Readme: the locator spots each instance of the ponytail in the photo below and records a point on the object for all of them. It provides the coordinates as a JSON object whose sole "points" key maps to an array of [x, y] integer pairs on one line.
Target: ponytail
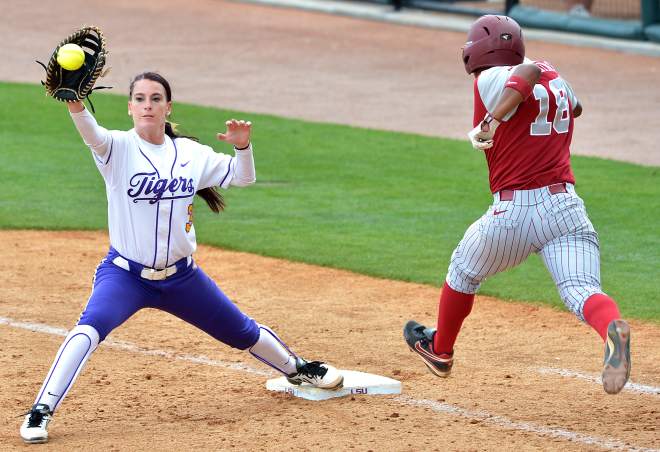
{"points": [[213, 199], [170, 131]]}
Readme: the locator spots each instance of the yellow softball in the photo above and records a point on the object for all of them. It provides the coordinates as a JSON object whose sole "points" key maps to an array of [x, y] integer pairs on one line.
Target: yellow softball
{"points": [[70, 56]]}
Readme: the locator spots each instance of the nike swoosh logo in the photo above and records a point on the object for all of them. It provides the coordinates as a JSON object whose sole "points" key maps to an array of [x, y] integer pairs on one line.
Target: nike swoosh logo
{"points": [[51, 394], [184, 164], [497, 212]]}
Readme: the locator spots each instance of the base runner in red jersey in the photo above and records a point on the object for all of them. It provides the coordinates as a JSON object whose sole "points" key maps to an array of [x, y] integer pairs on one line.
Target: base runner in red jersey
{"points": [[524, 114]]}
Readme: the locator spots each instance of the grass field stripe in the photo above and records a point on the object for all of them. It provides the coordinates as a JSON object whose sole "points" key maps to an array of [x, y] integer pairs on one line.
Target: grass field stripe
{"points": [[438, 407], [122, 345], [630, 386], [501, 421]]}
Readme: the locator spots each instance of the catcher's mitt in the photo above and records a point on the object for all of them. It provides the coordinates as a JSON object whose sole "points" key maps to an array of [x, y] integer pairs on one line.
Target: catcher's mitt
{"points": [[71, 86]]}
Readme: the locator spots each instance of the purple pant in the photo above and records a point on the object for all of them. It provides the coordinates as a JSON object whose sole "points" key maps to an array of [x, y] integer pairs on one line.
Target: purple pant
{"points": [[189, 294]]}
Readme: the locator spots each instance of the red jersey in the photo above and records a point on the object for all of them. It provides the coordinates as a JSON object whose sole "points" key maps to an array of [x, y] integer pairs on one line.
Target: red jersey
{"points": [[531, 145]]}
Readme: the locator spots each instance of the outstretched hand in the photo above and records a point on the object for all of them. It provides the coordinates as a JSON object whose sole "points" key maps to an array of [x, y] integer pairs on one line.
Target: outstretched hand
{"points": [[238, 133]]}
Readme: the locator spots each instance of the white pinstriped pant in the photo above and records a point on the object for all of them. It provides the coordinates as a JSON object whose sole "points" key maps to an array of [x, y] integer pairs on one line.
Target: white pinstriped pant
{"points": [[554, 225]]}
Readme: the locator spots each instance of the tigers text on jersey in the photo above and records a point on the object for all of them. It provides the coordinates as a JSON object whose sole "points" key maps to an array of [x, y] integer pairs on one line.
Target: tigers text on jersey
{"points": [[150, 190], [531, 145]]}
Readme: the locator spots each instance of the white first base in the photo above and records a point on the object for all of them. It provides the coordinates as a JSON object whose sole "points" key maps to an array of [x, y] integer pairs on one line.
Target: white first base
{"points": [[354, 383]]}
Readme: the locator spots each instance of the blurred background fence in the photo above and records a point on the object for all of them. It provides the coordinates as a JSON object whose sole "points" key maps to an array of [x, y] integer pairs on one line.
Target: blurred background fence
{"points": [[627, 19]]}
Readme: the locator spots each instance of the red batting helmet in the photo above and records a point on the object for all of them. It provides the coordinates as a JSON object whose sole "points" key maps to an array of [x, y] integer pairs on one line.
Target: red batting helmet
{"points": [[493, 41]]}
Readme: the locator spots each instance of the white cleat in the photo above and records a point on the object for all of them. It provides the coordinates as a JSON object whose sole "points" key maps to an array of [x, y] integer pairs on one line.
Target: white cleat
{"points": [[316, 373], [34, 429]]}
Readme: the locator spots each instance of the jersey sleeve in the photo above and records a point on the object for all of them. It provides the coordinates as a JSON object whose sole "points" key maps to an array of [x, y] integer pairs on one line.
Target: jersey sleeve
{"points": [[97, 138], [217, 168], [244, 173], [491, 84], [112, 163], [106, 145]]}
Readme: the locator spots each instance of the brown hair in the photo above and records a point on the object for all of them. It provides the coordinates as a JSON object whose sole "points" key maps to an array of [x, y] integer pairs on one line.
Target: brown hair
{"points": [[214, 200]]}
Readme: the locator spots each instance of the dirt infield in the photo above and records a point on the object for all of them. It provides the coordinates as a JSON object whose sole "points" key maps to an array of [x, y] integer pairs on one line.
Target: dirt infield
{"points": [[126, 399], [524, 376]]}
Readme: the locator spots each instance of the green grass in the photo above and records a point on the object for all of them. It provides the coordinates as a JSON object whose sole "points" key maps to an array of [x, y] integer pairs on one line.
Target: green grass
{"points": [[386, 204]]}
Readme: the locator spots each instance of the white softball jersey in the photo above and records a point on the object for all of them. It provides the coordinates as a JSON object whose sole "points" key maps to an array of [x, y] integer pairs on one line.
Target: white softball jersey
{"points": [[151, 188]]}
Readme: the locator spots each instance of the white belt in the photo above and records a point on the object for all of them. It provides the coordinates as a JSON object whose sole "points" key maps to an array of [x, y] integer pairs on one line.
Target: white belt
{"points": [[150, 273], [157, 275]]}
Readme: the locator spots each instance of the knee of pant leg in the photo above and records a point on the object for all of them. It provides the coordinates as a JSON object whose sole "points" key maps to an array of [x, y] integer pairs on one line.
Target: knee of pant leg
{"points": [[575, 296], [246, 337], [462, 280], [100, 328], [88, 332]]}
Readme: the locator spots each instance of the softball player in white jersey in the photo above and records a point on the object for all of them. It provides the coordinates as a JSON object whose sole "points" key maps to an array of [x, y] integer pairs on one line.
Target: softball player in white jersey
{"points": [[523, 114], [151, 177]]}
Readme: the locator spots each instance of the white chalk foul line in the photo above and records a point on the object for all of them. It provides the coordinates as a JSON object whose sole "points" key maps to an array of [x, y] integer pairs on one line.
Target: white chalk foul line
{"points": [[439, 407], [198, 359], [630, 386], [503, 422]]}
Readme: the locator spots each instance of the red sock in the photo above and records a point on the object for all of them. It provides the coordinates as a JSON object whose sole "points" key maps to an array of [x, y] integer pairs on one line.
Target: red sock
{"points": [[599, 310], [453, 309]]}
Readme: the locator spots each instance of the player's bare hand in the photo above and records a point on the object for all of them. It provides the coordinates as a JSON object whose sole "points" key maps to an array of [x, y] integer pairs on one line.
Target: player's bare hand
{"points": [[238, 133], [482, 135]]}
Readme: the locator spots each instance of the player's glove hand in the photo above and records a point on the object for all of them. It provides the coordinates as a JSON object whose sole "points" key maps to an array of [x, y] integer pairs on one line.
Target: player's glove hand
{"points": [[77, 85], [482, 135]]}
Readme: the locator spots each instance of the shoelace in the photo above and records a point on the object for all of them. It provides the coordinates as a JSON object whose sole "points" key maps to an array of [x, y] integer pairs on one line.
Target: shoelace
{"points": [[424, 338], [426, 341], [36, 418], [313, 369]]}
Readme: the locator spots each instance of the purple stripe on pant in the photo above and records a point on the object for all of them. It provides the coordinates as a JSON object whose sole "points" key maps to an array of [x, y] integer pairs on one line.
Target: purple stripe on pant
{"points": [[189, 295]]}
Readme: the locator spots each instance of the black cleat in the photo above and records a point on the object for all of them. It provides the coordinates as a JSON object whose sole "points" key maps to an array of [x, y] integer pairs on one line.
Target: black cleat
{"points": [[420, 340]]}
